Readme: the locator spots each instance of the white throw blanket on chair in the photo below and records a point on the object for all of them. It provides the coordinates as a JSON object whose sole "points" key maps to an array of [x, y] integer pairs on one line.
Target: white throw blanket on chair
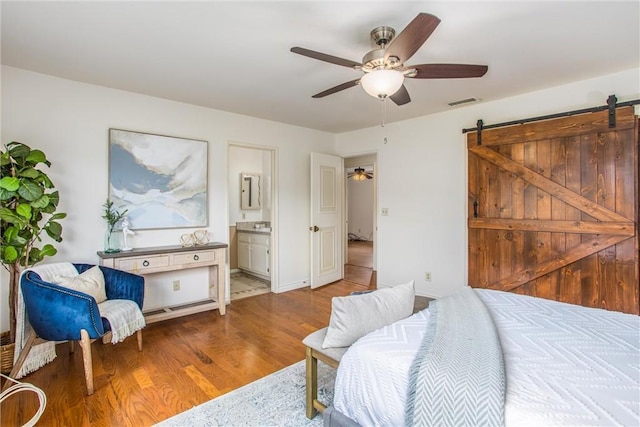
{"points": [[122, 316]]}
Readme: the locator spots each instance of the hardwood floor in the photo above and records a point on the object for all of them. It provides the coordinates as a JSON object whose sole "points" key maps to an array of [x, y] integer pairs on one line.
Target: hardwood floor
{"points": [[184, 362], [359, 268]]}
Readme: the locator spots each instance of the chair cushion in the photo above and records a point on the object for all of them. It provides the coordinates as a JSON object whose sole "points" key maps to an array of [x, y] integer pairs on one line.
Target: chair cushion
{"points": [[356, 315], [315, 340], [91, 282]]}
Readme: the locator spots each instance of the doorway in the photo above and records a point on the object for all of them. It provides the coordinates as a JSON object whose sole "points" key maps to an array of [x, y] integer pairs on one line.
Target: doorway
{"points": [[360, 209], [252, 220]]}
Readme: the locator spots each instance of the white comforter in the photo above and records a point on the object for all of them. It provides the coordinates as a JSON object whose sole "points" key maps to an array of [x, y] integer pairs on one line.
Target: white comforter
{"points": [[565, 365]]}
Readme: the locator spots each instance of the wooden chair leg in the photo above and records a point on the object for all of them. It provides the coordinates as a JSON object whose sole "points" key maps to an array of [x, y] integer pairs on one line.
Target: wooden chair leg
{"points": [[139, 338], [23, 356], [311, 382], [85, 343]]}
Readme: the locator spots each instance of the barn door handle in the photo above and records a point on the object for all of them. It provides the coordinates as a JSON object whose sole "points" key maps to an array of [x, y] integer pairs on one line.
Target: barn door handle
{"points": [[314, 228], [475, 209]]}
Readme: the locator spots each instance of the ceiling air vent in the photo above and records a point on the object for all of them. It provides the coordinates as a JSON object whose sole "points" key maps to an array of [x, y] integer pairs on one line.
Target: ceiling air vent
{"points": [[462, 101]]}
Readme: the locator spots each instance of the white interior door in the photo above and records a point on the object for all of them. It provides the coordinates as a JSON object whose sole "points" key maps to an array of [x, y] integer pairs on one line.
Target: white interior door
{"points": [[327, 176]]}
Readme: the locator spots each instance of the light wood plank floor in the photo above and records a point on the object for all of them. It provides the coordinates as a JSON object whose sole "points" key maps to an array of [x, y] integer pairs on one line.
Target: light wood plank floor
{"points": [[359, 268], [185, 362]]}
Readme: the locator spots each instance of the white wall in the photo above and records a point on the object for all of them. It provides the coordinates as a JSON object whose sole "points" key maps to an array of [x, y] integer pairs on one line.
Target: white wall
{"points": [[242, 160], [360, 198], [69, 121], [422, 170]]}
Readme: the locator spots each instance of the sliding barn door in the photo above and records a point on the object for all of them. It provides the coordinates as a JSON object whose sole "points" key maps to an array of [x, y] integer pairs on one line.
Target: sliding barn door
{"points": [[553, 210]]}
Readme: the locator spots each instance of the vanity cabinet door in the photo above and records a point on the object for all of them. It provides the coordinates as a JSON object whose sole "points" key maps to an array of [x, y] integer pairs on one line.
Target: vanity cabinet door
{"points": [[260, 259], [244, 255]]}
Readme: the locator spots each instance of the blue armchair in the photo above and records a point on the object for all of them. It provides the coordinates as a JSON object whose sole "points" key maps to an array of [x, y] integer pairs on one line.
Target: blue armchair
{"points": [[57, 313]]}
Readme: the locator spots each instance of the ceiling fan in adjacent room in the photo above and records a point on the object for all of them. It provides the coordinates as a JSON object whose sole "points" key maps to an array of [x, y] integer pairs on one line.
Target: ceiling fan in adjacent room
{"points": [[359, 174], [384, 67]]}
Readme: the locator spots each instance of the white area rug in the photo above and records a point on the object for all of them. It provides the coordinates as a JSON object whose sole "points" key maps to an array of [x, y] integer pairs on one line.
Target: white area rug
{"points": [[243, 286], [275, 400]]}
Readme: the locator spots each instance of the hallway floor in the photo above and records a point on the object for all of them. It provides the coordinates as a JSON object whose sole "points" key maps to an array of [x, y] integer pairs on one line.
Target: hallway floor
{"points": [[359, 268]]}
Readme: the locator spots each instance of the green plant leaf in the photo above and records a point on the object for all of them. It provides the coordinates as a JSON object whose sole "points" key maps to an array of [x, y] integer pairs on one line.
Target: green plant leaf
{"points": [[48, 250], [35, 256], [10, 216], [6, 195], [30, 173], [41, 203], [9, 254], [18, 242], [54, 198], [10, 183], [18, 150], [54, 230], [59, 215], [24, 210], [37, 156], [10, 233], [30, 191]]}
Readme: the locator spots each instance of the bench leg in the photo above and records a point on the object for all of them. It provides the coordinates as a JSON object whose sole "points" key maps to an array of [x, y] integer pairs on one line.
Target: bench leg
{"points": [[311, 383]]}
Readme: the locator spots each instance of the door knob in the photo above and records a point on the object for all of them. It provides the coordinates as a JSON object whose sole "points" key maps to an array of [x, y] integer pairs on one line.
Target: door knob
{"points": [[314, 228]]}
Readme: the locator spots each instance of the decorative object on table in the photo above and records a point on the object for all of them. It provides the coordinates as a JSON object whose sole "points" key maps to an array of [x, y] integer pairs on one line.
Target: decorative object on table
{"points": [[112, 216], [197, 238], [28, 205], [126, 232], [167, 176]]}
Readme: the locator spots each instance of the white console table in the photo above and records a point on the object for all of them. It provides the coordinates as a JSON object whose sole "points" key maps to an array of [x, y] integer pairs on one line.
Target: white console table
{"points": [[144, 261]]}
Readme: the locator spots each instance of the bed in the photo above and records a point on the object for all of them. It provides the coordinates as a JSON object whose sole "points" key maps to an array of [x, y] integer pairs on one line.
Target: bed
{"points": [[563, 365]]}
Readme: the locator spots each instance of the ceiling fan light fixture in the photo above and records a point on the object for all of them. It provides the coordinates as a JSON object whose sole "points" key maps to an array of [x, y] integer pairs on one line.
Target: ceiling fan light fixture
{"points": [[382, 83], [359, 174]]}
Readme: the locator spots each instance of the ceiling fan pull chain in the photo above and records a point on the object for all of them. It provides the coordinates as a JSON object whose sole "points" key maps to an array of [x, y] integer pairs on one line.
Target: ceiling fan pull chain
{"points": [[384, 113]]}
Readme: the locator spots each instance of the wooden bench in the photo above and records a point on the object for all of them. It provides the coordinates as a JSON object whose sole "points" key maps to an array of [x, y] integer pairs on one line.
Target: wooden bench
{"points": [[315, 352]]}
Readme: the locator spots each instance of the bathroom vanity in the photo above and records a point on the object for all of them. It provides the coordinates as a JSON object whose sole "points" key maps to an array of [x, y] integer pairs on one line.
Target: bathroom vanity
{"points": [[254, 248]]}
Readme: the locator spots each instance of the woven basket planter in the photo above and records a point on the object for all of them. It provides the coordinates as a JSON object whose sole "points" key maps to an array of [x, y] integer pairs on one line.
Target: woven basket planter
{"points": [[6, 353]]}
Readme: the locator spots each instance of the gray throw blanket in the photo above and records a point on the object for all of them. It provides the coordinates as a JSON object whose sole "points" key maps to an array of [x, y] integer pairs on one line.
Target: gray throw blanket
{"points": [[457, 377]]}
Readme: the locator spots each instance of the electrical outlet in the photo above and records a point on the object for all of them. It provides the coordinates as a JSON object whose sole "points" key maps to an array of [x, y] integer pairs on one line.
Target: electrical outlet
{"points": [[427, 276], [385, 211], [176, 285]]}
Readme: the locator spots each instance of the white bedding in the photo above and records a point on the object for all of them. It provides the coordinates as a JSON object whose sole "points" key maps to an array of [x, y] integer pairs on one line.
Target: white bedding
{"points": [[565, 365]]}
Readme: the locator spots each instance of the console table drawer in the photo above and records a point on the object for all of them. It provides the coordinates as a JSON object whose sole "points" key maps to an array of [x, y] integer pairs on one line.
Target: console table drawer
{"points": [[140, 264], [194, 258]]}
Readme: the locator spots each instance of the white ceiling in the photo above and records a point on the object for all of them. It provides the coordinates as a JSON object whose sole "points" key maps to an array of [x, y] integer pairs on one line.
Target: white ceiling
{"points": [[234, 56]]}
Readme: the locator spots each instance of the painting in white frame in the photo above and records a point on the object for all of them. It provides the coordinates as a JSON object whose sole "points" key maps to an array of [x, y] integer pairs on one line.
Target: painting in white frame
{"points": [[160, 180]]}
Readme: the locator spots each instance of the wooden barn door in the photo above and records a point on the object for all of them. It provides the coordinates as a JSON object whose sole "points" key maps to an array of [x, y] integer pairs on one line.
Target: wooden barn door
{"points": [[553, 210]]}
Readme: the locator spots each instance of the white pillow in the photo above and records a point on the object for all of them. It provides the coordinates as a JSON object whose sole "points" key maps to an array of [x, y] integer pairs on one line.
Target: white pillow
{"points": [[91, 282], [356, 315]]}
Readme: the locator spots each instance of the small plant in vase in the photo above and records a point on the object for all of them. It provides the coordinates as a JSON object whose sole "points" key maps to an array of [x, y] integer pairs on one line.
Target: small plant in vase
{"points": [[112, 217]]}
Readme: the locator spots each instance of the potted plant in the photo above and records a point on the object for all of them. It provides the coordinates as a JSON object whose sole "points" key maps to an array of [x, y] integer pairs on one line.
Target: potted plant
{"points": [[28, 204], [113, 217]]}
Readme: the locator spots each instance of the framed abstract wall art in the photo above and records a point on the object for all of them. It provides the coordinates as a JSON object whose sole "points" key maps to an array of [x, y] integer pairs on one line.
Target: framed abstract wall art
{"points": [[160, 180]]}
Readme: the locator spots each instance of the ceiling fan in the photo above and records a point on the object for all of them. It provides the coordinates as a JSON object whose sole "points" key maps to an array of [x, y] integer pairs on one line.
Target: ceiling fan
{"points": [[359, 174], [384, 67]]}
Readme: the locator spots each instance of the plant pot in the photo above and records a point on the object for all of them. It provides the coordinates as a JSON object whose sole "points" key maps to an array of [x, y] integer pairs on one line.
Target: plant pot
{"points": [[6, 353]]}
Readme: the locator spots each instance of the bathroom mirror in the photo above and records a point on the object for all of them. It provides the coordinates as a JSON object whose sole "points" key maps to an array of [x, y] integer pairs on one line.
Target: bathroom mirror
{"points": [[250, 190]]}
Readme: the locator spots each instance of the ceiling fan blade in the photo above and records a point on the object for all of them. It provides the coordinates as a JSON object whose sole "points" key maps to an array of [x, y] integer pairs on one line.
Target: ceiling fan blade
{"points": [[448, 71], [405, 44], [401, 97], [338, 88], [324, 57]]}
